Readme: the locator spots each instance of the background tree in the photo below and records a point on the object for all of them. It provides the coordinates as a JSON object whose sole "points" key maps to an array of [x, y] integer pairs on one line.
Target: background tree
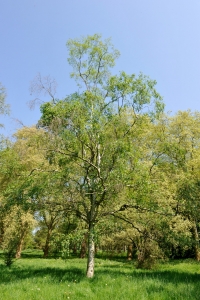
{"points": [[18, 162], [42, 86], [4, 108], [184, 135], [17, 224]]}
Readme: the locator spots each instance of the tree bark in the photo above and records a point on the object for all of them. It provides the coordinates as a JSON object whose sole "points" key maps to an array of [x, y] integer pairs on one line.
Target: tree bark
{"points": [[1, 232], [196, 241], [20, 243], [91, 252], [130, 252], [46, 246], [83, 248], [74, 249], [19, 249]]}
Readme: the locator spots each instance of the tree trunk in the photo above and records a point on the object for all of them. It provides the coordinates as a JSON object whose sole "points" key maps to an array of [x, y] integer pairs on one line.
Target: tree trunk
{"points": [[20, 243], [83, 248], [46, 246], [74, 249], [19, 249], [91, 252], [1, 232], [130, 252], [196, 241]]}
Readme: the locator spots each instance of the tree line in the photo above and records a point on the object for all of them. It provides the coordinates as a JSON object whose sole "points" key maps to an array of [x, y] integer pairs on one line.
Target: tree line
{"points": [[105, 168]]}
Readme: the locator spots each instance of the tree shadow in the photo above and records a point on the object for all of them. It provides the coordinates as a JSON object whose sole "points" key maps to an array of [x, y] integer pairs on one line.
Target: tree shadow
{"points": [[165, 275], [120, 257], [56, 275], [32, 254], [156, 280]]}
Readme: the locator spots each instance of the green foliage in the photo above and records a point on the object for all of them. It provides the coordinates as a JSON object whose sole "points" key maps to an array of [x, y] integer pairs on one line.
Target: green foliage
{"points": [[136, 92], [64, 244], [91, 59], [16, 224], [9, 257]]}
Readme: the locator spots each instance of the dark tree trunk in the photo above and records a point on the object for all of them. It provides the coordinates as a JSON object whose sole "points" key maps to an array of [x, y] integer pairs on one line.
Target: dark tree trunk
{"points": [[130, 252], [195, 236], [83, 249], [46, 246]]}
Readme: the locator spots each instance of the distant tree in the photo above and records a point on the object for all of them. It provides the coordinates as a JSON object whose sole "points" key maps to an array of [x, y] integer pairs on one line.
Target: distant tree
{"points": [[4, 108], [17, 224], [184, 151], [18, 161], [42, 86]]}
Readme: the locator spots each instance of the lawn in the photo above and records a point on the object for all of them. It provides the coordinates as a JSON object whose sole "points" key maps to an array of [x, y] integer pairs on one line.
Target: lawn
{"points": [[34, 278]]}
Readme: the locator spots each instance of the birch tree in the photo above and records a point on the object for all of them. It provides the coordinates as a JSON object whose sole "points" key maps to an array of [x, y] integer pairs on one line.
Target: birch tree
{"points": [[91, 131]]}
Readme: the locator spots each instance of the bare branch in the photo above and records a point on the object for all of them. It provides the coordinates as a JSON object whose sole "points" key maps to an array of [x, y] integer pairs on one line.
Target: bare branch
{"points": [[42, 86]]}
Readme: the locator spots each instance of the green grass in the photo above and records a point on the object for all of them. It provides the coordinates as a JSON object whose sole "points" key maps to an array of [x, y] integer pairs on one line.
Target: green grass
{"points": [[34, 278]]}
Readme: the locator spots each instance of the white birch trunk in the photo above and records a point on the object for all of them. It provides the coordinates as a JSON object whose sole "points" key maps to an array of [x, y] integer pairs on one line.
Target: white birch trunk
{"points": [[91, 252]]}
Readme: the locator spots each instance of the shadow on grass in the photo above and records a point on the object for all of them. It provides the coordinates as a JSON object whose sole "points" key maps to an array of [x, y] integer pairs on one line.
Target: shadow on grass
{"points": [[55, 275], [40, 254], [120, 271], [112, 257], [27, 254], [165, 275], [175, 284]]}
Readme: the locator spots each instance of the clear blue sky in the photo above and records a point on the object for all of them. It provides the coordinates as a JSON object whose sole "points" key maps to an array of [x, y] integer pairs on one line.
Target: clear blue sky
{"points": [[158, 37]]}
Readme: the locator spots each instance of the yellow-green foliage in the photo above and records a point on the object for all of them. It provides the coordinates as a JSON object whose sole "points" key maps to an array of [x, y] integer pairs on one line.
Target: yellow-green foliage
{"points": [[17, 223]]}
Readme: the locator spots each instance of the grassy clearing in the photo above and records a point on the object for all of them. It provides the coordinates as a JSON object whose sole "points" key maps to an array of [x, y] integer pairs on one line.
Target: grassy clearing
{"points": [[34, 278]]}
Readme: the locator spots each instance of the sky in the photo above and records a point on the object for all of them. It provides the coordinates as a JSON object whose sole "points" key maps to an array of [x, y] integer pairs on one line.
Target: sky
{"points": [[159, 38]]}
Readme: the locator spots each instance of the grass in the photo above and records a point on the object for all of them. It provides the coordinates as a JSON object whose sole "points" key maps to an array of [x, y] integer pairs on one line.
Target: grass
{"points": [[34, 278]]}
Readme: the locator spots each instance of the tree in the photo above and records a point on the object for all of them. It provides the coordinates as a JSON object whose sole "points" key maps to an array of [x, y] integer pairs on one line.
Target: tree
{"points": [[184, 151], [174, 161], [17, 224], [42, 86], [18, 161], [4, 108], [49, 209], [92, 132], [152, 198]]}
